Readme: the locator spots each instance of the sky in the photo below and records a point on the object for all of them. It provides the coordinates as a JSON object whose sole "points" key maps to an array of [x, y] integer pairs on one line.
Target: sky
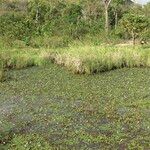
{"points": [[143, 1]]}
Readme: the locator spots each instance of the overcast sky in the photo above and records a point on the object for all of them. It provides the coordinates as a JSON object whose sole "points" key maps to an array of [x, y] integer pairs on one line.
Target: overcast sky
{"points": [[143, 1]]}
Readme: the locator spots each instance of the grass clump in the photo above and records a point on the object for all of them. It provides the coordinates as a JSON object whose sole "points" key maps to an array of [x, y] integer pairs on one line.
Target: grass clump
{"points": [[18, 59]]}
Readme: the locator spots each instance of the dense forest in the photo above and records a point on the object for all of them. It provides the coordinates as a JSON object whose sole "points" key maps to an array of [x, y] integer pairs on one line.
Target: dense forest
{"points": [[58, 22]]}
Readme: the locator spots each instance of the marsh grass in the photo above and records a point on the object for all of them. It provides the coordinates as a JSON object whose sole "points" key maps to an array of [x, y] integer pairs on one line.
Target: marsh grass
{"points": [[93, 59], [79, 58]]}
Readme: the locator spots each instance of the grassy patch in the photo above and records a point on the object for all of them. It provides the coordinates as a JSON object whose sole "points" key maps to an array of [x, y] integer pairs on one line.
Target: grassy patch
{"points": [[92, 59], [103, 111], [80, 59]]}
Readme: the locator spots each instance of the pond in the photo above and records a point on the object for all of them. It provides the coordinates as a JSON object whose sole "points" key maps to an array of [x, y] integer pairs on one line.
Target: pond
{"points": [[106, 110]]}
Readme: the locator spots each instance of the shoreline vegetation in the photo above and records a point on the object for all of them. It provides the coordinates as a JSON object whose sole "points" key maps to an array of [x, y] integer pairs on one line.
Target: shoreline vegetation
{"points": [[79, 59]]}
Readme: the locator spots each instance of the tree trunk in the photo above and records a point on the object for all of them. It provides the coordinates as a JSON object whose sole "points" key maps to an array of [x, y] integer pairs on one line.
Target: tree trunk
{"points": [[106, 20], [116, 19], [37, 15], [106, 3]]}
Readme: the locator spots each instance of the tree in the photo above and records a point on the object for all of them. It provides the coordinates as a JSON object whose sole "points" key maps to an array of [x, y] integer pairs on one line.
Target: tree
{"points": [[134, 25], [118, 7], [106, 4]]}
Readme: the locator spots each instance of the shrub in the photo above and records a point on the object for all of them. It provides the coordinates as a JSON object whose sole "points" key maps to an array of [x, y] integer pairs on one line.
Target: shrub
{"points": [[134, 24]]}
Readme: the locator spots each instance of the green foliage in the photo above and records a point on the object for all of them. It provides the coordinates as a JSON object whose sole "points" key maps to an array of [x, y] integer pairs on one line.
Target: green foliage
{"points": [[134, 24], [15, 26], [69, 18], [117, 9], [50, 42], [43, 19], [73, 13]]}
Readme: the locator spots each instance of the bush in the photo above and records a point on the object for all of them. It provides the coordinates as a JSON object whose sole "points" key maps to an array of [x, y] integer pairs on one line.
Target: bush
{"points": [[134, 25]]}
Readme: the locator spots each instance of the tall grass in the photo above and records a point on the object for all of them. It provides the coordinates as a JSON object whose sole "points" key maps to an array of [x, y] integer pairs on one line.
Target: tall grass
{"points": [[19, 58], [93, 59], [79, 58]]}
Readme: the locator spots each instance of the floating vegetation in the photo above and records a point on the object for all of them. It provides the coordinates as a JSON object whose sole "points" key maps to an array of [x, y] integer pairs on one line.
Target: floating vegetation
{"points": [[52, 106]]}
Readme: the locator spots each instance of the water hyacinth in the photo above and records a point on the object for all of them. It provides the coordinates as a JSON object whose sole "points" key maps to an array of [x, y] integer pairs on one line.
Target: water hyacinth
{"points": [[50, 107]]}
